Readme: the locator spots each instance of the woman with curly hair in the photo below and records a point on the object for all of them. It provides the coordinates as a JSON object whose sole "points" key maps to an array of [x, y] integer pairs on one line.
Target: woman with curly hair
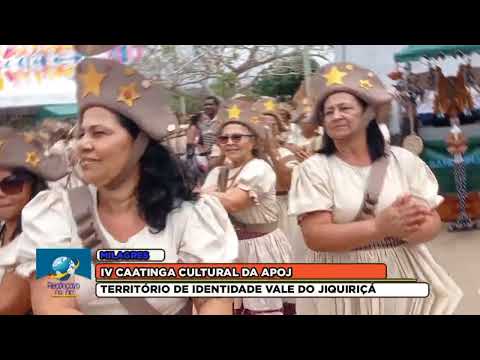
{"points": [[139, 197]]}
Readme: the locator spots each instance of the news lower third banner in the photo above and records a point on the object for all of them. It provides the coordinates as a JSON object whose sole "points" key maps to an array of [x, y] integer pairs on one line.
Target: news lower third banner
{"points": [[141, 273]]}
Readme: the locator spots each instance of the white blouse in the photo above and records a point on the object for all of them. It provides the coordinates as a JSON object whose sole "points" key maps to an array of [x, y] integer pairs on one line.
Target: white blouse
{"points": [[329, 183], [194, 232], [259, 180]]}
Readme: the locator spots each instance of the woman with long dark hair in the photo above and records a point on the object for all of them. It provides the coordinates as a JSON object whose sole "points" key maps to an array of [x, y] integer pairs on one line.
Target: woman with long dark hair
{"points": [[361, 201], [139, 196], [24, 170]]}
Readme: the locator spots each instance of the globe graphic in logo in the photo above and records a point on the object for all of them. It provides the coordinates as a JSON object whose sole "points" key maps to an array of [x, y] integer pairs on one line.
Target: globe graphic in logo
{"points": [[63, 268]]}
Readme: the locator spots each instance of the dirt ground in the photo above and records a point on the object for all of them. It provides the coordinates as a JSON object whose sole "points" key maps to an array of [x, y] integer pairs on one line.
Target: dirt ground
{"points": [[459, 255]]}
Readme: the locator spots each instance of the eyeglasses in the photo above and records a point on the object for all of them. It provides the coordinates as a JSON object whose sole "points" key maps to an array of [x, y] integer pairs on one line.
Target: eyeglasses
{"points": [[13, 184], [236, 138]]}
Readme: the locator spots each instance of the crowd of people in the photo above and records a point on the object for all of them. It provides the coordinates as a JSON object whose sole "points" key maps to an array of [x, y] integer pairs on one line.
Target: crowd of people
{"points": [[260, 182]]}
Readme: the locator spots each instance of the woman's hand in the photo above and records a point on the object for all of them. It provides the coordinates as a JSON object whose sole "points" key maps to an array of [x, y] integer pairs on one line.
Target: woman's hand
{"points": [[413, 210], [271, 144], [302, 155], [401, 219], [429, 225]]}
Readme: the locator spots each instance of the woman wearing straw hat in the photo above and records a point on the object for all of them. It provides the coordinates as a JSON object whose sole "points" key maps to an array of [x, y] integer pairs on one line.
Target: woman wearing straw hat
{"points": [[360, 201], [24, 170], [247, 191], [138, 197]]}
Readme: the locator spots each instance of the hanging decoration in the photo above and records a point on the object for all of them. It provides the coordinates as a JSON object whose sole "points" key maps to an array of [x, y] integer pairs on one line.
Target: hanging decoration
{"points": [[20, 65]]}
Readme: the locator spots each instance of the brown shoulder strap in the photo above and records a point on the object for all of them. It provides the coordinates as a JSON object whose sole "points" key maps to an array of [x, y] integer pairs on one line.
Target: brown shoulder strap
{"points": [[375, 182], [81, 203], [222, 181]]}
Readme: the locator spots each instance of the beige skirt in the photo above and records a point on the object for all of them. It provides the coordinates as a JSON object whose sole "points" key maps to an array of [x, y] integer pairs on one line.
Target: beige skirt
{"points": [[271, 248], [291, 229], [405, 261], [293, 232]]}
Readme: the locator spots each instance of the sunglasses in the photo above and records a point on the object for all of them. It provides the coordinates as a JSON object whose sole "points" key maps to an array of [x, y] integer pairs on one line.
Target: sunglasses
{"points": [[13, 184], [236, 138]]}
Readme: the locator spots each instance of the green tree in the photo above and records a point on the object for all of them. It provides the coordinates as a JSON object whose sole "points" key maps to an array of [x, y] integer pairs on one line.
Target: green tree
{"points": [[282, 78], [225, 85], [179, 67], [192, 103]]}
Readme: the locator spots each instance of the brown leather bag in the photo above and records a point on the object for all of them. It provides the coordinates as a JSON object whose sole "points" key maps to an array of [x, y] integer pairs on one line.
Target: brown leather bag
{"points": [[222, 180]]}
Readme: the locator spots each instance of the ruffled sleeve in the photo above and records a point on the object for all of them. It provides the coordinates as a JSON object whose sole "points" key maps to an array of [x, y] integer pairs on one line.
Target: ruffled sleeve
{"points": [[257, 178], [421, 180], [310, 189], [208, 235], [44, 225]]}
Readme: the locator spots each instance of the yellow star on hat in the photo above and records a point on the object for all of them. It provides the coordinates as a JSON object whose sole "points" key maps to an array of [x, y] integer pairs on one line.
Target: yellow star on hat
{"points": [[334, 76], [269, 105], [91, 81], [128, 94], [32, 159], [234, 112], [366, 84]]}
